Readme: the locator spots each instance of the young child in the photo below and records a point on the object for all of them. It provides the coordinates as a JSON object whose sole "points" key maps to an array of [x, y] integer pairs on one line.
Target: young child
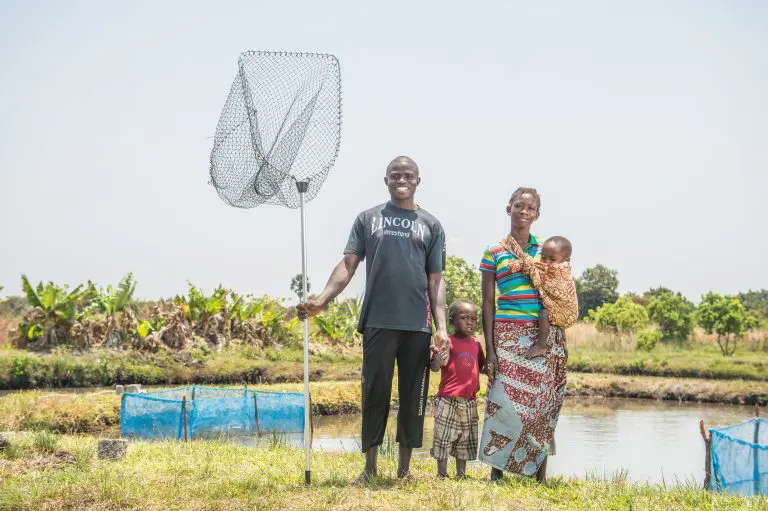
{"points": [[551, 276], [459, 362]]}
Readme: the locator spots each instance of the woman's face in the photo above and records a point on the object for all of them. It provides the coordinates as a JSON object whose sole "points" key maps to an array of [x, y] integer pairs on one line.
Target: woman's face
{"points": [[523, 210]]}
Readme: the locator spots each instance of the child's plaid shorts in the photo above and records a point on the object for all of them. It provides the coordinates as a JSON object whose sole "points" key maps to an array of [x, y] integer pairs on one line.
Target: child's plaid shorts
{"points": [[455, 428]]}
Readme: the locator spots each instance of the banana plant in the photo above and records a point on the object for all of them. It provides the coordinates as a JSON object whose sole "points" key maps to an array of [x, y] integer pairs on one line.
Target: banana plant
{"points": [[55, 306]]}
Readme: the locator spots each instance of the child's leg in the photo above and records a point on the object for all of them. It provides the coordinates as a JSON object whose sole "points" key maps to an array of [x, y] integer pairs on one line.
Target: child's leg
{"points": [[540, 346], [442, 468], [461, 468]]}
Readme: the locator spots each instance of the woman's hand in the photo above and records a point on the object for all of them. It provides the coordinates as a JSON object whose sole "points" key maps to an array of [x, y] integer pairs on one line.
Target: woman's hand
{"points": [[491, 365]]}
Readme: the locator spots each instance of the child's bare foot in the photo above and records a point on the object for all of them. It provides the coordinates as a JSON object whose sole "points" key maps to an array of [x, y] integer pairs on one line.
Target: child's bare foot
{"points": [[535, 351]]}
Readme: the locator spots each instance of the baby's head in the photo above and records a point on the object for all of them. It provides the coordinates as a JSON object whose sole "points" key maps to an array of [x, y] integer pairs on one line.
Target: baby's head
{"points": [[462, 315], [556, 250]]}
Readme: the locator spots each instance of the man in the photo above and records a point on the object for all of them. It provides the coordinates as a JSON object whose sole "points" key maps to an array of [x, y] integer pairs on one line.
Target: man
{"points": [[404, 248]]}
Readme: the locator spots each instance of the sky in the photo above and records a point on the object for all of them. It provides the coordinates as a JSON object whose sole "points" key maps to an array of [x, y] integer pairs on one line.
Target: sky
{"points": [[644, 126]]}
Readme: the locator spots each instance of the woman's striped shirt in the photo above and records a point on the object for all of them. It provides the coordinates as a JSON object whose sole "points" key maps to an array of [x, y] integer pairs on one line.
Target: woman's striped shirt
{"points": [[517, 301]]}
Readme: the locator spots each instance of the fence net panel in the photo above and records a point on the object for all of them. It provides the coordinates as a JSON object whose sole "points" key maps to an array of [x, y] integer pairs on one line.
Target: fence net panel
{"points": [[740, 458], [210, 412]]}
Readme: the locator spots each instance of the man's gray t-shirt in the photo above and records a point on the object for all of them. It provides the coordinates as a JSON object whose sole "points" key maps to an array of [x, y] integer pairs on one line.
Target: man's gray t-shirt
{"points": [[401, 247]]}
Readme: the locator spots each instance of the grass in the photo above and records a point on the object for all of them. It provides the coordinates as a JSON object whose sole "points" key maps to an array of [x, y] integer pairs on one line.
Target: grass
{"points": [[589, 351], [209, 475], [99, 412]]}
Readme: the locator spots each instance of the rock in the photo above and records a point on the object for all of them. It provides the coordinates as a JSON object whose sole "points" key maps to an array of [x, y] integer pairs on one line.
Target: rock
{"points": [[113, 449], [4, 443], [65, 457], [119, 389], [134, 388]]}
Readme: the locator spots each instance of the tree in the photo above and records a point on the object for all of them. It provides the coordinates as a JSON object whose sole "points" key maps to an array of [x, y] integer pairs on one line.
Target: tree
{"points": [[462, 281], [673, 313], [755, 302], [724, 316], [296, 286], [621, 317], [595, 287]]}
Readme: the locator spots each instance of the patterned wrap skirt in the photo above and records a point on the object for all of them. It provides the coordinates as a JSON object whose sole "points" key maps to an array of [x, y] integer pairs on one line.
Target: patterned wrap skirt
{"points": [[523, 402]]}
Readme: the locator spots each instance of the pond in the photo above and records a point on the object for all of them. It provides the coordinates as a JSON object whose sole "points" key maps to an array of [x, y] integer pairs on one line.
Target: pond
{"points": [[646, 441]]}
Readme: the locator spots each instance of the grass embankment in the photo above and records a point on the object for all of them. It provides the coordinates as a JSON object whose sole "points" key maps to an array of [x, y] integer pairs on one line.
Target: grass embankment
{"points": [[37, 473], [22, 369], [99, 412]]}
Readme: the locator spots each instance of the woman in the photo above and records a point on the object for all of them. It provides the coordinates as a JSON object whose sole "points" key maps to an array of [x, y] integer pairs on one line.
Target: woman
{"points": [[524, 395]]}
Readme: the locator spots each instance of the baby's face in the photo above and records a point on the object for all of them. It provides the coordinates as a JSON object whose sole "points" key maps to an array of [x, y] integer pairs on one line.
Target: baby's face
{"points": [[552, 254]]}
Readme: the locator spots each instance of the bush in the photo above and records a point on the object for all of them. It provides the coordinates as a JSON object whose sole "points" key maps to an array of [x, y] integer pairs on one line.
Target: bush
{"points": [[673, 313], [724, 316], [622, 317], [647, 340]]}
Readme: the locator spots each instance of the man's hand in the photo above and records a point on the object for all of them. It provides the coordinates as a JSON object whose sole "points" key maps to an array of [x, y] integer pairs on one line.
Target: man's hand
{"points": [[441, 338], [310, 308]]}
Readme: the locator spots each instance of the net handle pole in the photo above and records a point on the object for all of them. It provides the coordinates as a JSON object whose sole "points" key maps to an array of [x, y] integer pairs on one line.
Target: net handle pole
{"points": [[302, 187], [707, 454]]}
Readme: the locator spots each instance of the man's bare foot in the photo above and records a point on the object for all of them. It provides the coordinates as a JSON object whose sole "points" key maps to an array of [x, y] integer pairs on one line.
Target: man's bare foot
{"points": [[363, 479], [535, 351]]}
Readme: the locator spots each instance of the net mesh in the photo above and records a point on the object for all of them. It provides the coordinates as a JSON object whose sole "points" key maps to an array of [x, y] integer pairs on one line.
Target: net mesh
{"points": [[281, 124], [740, 458], [210, 411]]}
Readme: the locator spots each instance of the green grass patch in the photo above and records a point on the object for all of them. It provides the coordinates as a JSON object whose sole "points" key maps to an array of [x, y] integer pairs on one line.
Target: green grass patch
{"points": [[694, 361], [209, 475]]}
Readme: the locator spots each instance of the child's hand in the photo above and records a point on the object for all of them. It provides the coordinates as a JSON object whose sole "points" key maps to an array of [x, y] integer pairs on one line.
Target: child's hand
{"points": [[443, 354]]}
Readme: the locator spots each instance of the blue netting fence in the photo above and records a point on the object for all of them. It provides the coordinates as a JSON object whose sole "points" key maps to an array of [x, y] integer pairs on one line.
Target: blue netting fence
{"points": [[740, 458], [210, 412]]}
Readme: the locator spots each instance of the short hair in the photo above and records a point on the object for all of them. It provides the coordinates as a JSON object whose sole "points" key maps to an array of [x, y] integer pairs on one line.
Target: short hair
{"points": [[401, 160], [562, 243], [453, 310], [530, 191]]}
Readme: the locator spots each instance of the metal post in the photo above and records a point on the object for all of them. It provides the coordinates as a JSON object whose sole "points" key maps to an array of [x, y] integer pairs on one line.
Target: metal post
{"points": [[302, 187]]}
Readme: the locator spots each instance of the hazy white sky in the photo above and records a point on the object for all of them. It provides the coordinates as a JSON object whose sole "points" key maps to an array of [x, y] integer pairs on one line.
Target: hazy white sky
{"points": [[644, 126]]}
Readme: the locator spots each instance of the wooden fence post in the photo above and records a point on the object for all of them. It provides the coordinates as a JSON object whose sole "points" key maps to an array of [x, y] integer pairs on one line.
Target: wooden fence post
{"points": [[256, 413], [707, 456], [756, 452], [184, 416]]}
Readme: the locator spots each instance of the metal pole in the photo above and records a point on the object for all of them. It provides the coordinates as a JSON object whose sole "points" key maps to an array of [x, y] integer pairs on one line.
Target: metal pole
{"points": [[303, 186]]}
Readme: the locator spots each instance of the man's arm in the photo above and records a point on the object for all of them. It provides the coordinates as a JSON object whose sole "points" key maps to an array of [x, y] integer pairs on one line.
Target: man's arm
{"points": [[338, 280], [436, 290]]}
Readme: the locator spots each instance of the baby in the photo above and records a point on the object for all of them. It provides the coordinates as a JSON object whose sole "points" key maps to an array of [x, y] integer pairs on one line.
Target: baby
{"points": [[551, 276]]}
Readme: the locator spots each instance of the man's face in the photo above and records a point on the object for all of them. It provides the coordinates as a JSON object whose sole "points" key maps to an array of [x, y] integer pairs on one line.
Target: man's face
{"points": [[402, 179]]}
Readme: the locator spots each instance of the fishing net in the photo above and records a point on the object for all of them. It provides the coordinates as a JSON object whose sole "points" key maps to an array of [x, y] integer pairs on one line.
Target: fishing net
{"points": [[280, 125], [740, 458], [210, 412]]}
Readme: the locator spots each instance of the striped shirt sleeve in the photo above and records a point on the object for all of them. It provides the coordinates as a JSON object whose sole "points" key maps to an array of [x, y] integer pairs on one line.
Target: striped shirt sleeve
{"points": [[488, 262]]}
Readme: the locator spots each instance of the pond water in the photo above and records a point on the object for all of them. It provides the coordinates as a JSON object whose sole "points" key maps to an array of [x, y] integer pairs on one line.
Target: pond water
{"points": [[646, 441]]}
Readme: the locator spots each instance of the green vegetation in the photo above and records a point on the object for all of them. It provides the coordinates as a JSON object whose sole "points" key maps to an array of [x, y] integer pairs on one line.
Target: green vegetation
{"points": [[724, 316], [220, 476], [595, 287]]}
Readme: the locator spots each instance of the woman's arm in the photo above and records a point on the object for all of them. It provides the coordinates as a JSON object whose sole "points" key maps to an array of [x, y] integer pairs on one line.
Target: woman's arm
{"points": [[489, 311]]}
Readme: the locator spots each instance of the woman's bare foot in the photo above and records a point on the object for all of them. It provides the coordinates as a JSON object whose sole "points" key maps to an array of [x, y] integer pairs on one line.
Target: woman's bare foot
{"points": [[496, 475]]}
